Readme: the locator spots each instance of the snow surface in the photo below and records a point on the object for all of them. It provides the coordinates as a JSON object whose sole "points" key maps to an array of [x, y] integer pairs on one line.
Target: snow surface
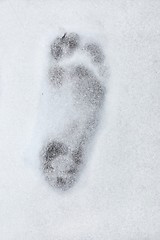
{"points": [[118, 196]]}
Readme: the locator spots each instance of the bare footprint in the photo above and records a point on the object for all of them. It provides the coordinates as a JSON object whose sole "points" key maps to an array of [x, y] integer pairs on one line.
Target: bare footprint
{"points": [[63, 157]]}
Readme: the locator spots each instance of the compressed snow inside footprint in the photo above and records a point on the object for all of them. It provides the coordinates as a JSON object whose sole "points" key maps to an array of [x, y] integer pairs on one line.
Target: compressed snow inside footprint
{"points": [[59, 166], [71, 40], [95, 52], [87, 87], [64, 45]]}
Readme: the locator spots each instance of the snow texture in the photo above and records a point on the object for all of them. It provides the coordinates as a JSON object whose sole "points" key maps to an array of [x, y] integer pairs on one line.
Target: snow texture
{"points": [[117, 193], [76, 86]]}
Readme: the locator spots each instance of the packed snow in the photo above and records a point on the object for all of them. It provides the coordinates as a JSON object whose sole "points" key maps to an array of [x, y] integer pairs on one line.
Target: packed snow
{"points": [[117, 195]]}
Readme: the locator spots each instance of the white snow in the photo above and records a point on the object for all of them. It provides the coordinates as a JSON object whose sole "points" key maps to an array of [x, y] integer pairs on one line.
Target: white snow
{"points": [[118, 195]]}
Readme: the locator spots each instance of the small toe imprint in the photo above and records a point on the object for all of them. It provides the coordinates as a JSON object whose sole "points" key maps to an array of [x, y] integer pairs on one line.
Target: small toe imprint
{"points": [[95, 52]]}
